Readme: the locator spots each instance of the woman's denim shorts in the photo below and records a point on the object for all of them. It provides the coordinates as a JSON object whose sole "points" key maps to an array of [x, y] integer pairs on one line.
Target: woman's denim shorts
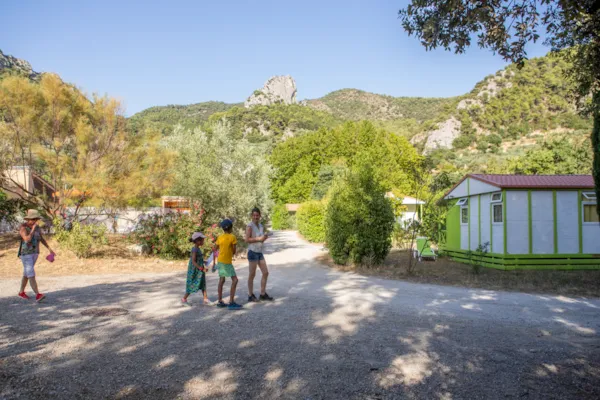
{"points": [[253, 256]]}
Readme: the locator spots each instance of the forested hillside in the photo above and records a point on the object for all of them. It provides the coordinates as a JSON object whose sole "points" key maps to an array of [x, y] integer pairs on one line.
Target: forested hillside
{"points": [[354, 105], [164, 118]]}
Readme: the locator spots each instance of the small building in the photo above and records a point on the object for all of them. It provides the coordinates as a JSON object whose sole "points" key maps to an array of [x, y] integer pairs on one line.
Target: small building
{"points": [[413, 208], [22, 182], [292, 208], [176, 203], [524, 222]]}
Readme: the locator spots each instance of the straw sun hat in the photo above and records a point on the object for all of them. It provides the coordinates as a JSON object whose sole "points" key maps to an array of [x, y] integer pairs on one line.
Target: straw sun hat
{"points": [[33, 214]]}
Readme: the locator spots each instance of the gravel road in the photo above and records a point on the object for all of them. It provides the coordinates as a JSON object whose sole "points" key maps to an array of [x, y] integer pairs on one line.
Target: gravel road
{"points": [[328, 335]]}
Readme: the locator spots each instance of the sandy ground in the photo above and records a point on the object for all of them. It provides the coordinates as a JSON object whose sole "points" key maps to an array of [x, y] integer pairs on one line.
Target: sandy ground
{"points": [[328, 335]]}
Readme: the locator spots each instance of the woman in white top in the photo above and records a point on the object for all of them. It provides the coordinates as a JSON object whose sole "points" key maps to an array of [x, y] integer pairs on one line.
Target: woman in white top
{"points": [[255, 237]]}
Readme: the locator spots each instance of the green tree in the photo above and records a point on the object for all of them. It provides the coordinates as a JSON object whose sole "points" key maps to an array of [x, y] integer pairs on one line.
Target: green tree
{"points": [[327, 174], [298, 160], [359, 219], [82, 147], [507, 26], [227, 177], [560, 156], [311, 220]]}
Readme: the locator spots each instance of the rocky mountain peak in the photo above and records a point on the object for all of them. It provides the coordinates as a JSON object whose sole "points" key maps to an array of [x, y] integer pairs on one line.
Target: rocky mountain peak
{"points": [[19, 66], [278, 89]]}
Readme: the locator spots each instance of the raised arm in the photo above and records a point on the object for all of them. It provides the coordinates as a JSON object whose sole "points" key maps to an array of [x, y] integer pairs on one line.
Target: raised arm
{"points": [[23, 232]]}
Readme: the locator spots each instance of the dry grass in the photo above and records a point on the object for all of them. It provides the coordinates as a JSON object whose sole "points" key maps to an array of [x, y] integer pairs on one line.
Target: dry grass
{"points": [[114, 258], [447, 272]]}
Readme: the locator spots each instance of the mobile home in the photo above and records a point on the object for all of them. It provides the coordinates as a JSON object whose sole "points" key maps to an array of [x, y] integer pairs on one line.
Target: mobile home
{"points": [[524, 222]]}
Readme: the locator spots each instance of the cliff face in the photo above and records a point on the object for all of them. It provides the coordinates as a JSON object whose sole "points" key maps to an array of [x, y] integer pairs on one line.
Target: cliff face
{"points": [[10, 64], [277, 90]]}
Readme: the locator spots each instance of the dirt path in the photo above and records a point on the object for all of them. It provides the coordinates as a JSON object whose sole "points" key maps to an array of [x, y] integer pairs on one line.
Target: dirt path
{"points": [[328, 335]]}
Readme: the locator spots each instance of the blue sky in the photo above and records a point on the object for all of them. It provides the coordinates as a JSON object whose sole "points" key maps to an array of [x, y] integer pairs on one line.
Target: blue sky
{"points": [[149, 53]]}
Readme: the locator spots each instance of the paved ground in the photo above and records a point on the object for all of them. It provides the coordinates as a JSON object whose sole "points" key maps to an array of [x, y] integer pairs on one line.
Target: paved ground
{"points": [[329, 335]]}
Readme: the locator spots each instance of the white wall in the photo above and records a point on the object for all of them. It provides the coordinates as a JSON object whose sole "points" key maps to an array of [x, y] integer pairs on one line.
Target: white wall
{"points": [[485, 220], [474, 219], [478, 187], [591, 238], [542, 222], [474, 186], [567, 222], [410, 213], [460, 190], [517, 223]]}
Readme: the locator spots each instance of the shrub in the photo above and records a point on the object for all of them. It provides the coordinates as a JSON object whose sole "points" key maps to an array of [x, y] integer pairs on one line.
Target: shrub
{"points": [[311, 221], [281, 218], [463, 141], [494, 139], [168, 235], [359, 219], [10, 208], [482, 145], [81, 239]]}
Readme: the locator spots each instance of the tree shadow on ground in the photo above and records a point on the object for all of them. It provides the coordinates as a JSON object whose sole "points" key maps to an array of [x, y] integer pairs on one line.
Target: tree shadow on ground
{"points": [[329, 335]]}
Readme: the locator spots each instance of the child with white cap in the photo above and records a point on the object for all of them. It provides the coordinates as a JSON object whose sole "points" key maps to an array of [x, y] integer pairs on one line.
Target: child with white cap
{"points": [[196, 279]]}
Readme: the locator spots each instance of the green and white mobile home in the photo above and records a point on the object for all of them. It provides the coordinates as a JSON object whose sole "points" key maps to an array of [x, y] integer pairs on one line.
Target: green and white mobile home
{"points": [[524, 222]]}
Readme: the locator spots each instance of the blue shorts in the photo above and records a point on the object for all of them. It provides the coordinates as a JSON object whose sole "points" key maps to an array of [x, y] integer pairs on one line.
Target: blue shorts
{"points": [[28, 261], [253, 256]]}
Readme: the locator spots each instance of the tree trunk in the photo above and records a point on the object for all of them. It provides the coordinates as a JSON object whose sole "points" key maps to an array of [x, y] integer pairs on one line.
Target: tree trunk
{"points": [[596, 148]]}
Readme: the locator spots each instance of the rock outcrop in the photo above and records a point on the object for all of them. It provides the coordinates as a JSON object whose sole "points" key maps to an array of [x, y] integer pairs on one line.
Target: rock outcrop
{"points": [[278, 89], [442, 137], [17, 66]]}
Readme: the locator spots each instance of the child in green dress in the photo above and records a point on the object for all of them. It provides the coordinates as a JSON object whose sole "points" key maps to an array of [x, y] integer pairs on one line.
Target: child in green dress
{"points": [[196, 279]]}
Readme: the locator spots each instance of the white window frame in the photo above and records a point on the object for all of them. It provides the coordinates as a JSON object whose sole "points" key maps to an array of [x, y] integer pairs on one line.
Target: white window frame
{"points": [[461, 215], [463, 202], [501, 205], [492, 200], [589, 196], [583, 204]]}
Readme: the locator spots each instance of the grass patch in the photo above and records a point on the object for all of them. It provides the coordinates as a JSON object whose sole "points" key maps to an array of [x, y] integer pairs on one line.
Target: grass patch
{"points": [[447, 272]]}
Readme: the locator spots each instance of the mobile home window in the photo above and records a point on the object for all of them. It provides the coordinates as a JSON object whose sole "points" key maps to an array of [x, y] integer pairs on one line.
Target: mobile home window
{"points": [[589, 213], [496, 197], [464, 215], [497, 217], [587, 196]]}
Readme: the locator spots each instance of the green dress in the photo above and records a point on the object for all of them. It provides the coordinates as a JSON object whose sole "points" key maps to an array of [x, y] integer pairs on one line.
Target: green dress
{"points": [[196, 279]]}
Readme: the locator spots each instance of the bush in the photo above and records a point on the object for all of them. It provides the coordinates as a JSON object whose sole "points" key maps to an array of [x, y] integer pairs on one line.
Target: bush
{"points": [[10, 208], [463, 141], [81, 239], [482, 145], [359, 219], [281, 218], [311, 221], [168, 235]]}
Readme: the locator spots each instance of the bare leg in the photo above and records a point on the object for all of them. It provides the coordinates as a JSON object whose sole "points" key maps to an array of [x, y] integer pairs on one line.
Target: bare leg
{"points": [[234, 282], [33, 285], [185, 296], [23, 284], [262, 264], [251, 275], [221, 282], [205, 296]]}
